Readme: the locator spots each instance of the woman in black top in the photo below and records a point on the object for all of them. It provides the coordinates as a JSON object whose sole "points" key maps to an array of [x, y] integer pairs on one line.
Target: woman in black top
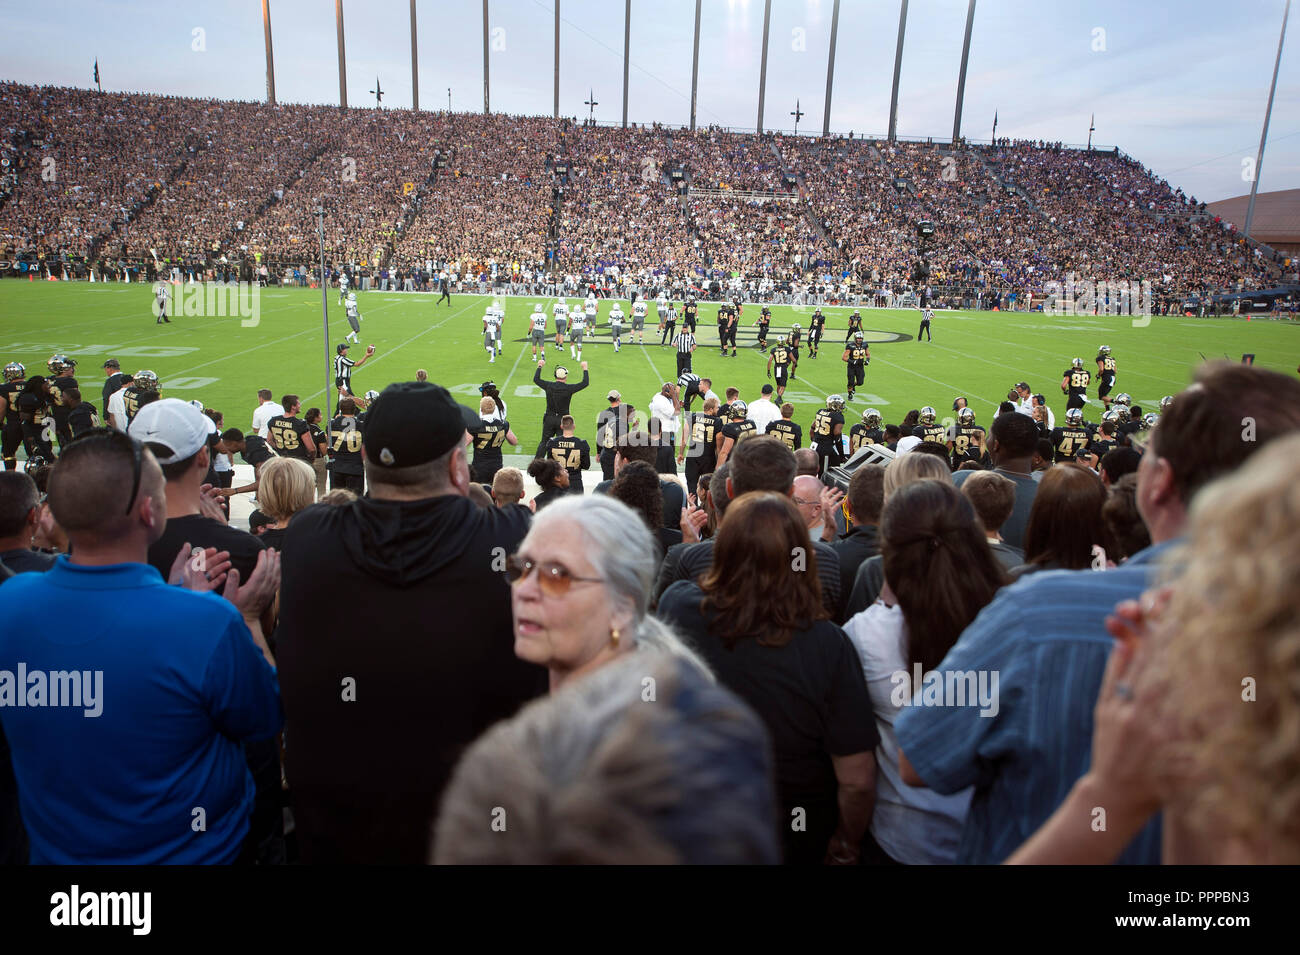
{"points": [[757, 619], [286, 486], [551, 478], [637, 485]]}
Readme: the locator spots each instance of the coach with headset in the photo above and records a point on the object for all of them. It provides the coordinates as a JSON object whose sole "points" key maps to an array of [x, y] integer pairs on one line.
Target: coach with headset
{"points": [[558, 395]]}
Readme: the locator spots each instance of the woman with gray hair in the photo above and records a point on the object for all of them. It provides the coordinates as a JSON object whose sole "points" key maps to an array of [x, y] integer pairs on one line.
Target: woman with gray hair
{"points": [[581, 585]]}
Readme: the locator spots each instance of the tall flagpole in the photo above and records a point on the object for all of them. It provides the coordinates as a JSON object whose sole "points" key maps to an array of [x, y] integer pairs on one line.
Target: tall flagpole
{"points": [[270, 56], [1268, 112]]}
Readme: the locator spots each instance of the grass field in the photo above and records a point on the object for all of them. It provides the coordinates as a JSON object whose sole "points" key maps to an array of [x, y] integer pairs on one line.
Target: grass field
{"points": [[977, 354]]}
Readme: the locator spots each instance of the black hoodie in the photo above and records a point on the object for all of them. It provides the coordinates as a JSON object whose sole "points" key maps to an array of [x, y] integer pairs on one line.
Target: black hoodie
{"points": [[395, 651]]}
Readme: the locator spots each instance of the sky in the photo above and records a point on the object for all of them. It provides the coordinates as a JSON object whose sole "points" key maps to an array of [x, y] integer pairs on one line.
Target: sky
{"points": [[1180, 85]]}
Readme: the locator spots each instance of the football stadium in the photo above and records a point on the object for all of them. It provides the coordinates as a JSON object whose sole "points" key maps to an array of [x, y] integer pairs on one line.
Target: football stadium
{"points": [[896, 493]]}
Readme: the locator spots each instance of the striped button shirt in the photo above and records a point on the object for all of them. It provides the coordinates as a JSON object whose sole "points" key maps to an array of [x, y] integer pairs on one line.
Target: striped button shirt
{"points": [[343, 368], [1045, 639], [684, 342]]}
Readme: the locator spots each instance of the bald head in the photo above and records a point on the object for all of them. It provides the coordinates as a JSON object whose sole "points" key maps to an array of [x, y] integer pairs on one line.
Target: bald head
{"points": [[805, 462], [807, 497]]}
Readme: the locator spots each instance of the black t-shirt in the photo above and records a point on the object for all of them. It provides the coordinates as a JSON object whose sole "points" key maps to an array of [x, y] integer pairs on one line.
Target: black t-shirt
{"points": [[111, 384], [286, 434], [318, 439], [256, 450], [395, 626], [574, 455], [488, 437], [791, 434], [345, 450], [811, 694], [674, 499], [200, 531]]}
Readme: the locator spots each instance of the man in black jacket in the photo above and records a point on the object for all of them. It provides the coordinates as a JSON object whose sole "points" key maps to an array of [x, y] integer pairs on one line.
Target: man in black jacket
{"points": [[865, 500], [395, 641], [558, 395]]}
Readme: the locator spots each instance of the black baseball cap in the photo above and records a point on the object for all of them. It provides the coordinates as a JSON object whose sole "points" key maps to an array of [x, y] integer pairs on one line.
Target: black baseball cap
{"points": [[341, 348], [414, 422], [112, 363]]}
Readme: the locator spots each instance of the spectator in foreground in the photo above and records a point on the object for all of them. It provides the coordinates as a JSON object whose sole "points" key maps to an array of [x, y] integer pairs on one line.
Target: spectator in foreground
{"points": [[993, 496], [761, 626], [591, 775], [415, 556], [194, 683], [288, 485], [1012, 441], [508, 487], [864, 501], [1122, 517], [1066, 529], [1171, 734], [637, 485], [552, 480], [945, 574], [20, 513], [1046, 636]]}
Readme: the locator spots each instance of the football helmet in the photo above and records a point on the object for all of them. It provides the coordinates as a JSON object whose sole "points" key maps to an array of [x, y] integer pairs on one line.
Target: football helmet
{"points": [[537, 307], [1122, 410], [1149, 420], [871, 418], [1076, 364], [146, 380], [55, 363], [1104, 350], [857, 313], [352, 296], [739, 410], [1112, 416], [858, 338], [966, 417], [14, 371], [34, 462], [927, 416], [371, 396], [835, 402], [1074, 417], [1165, 402], [794, 326]]}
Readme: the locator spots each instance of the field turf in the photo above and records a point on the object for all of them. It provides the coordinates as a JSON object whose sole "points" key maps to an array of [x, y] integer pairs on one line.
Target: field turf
{"points": [[980, 355]]}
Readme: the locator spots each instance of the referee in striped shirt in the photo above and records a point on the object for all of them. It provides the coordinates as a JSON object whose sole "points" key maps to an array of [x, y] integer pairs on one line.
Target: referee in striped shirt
{"points": [[685, 345], [343, 366]]}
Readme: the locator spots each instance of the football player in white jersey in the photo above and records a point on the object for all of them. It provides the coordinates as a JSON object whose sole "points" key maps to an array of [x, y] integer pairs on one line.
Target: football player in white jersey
{"points": [[561, 312], [616, 325], [343, 287], [638, 320], [492, 332], [354, 317], [661, 306], [577, 326], [537, 332], [589, 307]]}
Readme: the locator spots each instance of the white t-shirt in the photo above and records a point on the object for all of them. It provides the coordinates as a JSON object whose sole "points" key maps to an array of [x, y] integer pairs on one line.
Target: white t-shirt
{"points": [[117, 408], [907, 444], [263, 414], [763, 412], [913, 824], [661, 407]]}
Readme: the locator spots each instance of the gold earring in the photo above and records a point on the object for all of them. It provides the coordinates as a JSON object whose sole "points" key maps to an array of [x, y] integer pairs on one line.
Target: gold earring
{"points": [[613, 637]]}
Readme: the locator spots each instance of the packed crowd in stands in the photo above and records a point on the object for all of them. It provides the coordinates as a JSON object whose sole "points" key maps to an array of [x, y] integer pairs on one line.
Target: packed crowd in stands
{"points": [[1083, 603], [125, 178]]}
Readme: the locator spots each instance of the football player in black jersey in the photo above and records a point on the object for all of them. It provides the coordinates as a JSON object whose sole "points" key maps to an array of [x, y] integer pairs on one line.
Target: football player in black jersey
{"points": [[1071, 439], [144, 381], [815, 329], [866, 432], [968, 440], [1074, 384], [1105, 374], [722, 327], [764, 322], [346, 467], [488, 437], [82, 415], [855, 325], [733, 322], [780, 359], [37, 422], [1104, 438], [61, 378], [858, 356], [793, 340], [699, 452], [570, 452], [690, 313], [737, 429], [789, 432], [826, 433], [927, 429], [15, 376]]}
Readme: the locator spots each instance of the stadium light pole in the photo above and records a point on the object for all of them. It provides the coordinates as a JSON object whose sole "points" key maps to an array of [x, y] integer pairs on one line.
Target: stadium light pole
{"points": [[270, 57], [1268, 112], [415, 69], [555, 110], [324, 310], [486, 104], [898, 66], [762, 69], [961, 75], [830, 69], [627, 49], [343, 74], [695, 63]]}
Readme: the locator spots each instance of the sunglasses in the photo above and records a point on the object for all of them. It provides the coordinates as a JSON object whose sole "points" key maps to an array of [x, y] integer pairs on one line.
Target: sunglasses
{"points": [[553, 579]]}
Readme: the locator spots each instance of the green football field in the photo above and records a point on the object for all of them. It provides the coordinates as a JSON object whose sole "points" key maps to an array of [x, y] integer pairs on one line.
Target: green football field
{"points": [[222, 361]]}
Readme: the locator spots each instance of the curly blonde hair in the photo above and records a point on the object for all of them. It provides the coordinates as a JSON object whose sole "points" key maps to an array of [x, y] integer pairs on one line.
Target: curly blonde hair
{"points": [[1233, 625]]}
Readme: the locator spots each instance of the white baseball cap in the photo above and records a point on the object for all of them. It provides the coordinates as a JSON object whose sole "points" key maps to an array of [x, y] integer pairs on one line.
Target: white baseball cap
{"points": [[175, 424]]}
